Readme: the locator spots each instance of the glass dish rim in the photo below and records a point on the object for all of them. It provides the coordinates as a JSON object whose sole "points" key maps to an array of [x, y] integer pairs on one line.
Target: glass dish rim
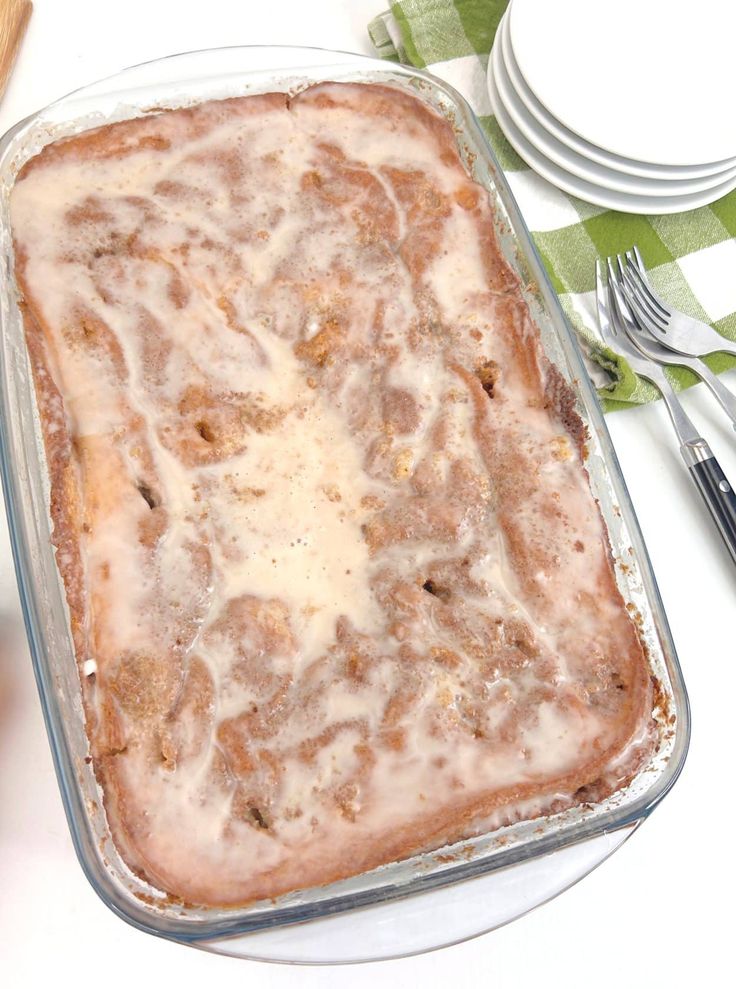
{"points": [[89, 855]]}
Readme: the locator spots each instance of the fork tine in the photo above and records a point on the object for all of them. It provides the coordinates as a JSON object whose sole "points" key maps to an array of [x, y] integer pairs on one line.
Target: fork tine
{"points": [[651, 296], [638, 298], [639, 301], [634, 258], [638, 322], [642, 319], [616, 293], [604, 321], [638, 259], [642, 323], [617, 327]]}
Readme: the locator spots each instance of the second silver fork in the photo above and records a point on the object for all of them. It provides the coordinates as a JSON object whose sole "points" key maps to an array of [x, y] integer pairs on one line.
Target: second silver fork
{"points": [[638, 328], [706, 472], [675, 329]]}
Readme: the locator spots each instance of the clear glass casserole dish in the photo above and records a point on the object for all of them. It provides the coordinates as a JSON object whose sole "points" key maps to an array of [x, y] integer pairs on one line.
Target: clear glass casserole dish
{"points": [[425, 901]]}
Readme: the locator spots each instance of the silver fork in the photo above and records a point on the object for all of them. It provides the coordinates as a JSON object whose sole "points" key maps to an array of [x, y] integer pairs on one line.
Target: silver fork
{"points": [[714, 488], [673, 328], [651, 347]]}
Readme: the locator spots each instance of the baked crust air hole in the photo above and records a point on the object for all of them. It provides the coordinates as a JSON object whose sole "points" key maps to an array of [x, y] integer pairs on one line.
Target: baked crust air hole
{"points": [[589, 792], [205, 431], [436, 590], [258, 817], [148, 495], [618, 681], [487, 373]]}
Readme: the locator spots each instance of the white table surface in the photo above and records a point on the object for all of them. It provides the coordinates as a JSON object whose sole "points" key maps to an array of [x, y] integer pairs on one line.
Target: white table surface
{"points": [[657, 911]]}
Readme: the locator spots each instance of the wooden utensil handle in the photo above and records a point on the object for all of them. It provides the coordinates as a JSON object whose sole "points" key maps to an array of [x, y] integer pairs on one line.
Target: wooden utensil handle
{"points": [[14, 16]]}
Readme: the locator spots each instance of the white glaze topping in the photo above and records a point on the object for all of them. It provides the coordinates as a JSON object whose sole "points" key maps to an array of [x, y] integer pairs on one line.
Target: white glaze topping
{"points": [[333, 588]]}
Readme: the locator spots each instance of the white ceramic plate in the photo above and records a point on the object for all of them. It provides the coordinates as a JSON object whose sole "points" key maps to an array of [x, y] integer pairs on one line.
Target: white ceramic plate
{"points": [[592, 152], [591, 171], [588, 191], [647, 80]]}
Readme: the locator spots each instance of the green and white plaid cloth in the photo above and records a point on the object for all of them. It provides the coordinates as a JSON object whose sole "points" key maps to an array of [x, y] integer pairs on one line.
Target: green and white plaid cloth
{"points": [[691, 256]]}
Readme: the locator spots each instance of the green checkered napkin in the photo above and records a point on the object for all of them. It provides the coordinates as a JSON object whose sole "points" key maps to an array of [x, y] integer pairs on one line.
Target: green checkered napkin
{"points": [[691, 256]]}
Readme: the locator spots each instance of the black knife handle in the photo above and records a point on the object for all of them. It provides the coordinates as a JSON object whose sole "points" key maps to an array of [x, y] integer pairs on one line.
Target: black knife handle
{"points": [[720, 498]]}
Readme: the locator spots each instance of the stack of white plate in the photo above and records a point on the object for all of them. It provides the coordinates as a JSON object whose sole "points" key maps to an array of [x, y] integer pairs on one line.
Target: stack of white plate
{"points": [[627, 105]]}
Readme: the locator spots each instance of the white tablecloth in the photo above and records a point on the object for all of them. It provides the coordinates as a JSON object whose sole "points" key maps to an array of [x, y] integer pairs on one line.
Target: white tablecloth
{"points": [[657, 912]]}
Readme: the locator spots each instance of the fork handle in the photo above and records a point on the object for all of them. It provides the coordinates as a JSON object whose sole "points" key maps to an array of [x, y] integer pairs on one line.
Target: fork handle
{"points": [[715, 490]]}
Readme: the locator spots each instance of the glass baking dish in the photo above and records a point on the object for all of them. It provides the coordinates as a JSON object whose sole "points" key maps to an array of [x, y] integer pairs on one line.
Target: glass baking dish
{"points": [[429, 899]]}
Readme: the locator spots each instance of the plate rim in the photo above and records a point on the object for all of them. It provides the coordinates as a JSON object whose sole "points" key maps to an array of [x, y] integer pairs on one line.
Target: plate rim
{"points": [[512, 21], [568, 158], [566, 136], [599, 196]]}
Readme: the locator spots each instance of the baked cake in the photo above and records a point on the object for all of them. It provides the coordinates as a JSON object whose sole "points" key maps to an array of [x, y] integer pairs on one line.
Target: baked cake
{"points": [[338, 587]]}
